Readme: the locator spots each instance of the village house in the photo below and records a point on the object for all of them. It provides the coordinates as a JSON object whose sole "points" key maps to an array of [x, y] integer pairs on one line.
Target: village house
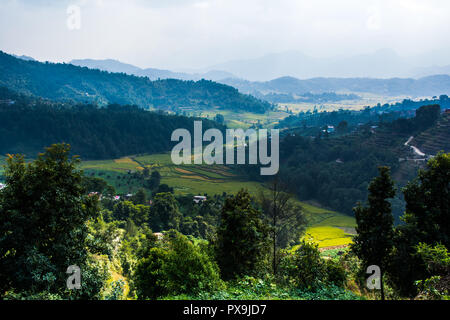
{"points": [[198, 199]]}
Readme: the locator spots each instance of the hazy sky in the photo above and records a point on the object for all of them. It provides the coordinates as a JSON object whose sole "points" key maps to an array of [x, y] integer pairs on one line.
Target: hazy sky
{"points": [[198, 33]]}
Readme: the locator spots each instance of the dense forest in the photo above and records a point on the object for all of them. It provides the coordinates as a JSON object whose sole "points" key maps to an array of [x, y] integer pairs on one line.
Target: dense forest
{"points": [[29, 124], [66, 82]]}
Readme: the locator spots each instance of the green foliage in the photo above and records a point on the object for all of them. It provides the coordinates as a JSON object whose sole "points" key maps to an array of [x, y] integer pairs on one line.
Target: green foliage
{"points": [[179, 267], [426, 220], [428, 201], [117, 291], [250, 288], [437, 261], [374, 240], [304, 268], [125, 210], [100, 239], [154, 181], [426, 116], [436, 258], [284, 216], [336, 273], [219, 118], [94, 184], [242, 242], [165, 213], [43, 215], [140, 197]]}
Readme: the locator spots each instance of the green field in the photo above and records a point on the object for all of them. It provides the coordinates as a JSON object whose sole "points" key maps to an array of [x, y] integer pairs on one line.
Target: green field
{"points": [[326, 227], [241, 119]]}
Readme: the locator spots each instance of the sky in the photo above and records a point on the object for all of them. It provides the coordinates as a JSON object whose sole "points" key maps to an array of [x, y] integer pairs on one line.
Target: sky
{"points": [[195, 34]]}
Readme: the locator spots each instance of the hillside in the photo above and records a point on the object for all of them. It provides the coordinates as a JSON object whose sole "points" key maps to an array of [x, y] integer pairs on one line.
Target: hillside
{"points": [[335, 169], [66, 82], [436, 138], [28, 125]]}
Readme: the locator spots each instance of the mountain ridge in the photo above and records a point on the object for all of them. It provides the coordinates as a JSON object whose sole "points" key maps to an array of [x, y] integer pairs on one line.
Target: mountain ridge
{"points": [[112, 65], [60, 81]]}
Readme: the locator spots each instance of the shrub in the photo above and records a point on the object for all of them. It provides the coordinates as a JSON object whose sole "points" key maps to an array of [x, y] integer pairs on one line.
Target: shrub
{"points": [[180, 267], [336, 273], [304, 268]]}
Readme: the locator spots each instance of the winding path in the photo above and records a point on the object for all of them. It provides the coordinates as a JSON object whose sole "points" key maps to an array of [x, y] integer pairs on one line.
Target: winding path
{"points": [[415, 149]]}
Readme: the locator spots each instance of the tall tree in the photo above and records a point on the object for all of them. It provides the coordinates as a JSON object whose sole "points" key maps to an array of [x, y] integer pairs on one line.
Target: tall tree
{"points": [[428, 201], [374, 239], [164, 213], [427, 220], [242, 237], [43, 215], [284, 216]]}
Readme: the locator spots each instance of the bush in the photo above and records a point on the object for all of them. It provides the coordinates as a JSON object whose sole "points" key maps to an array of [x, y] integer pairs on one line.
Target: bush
{"points": [[336, 273], [304, 268], [179, 267]]}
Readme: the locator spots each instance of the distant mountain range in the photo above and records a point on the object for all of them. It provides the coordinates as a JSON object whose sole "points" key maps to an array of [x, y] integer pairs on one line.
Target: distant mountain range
{"points": [[152, 73], [66, 82], [351, 75], [383, 63], [426, 86], [434, 80]]}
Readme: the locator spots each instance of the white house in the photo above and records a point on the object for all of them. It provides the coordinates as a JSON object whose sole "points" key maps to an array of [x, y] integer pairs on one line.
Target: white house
{"points": [[198, 199]]}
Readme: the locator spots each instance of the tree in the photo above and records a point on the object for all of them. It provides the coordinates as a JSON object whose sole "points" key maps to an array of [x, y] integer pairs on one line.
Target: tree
{"points": [[374, 239], [154, 181], [428, 201], [426, 220], [426, 116], [164, 213], [305, 267], [342, 127], [43, 231], [146, 172], [242, 238], [140, 197], [219, 118], [284, 216]]}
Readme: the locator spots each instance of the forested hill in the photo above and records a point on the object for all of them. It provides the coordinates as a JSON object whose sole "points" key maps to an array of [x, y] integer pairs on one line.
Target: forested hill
{"points": [[66, 82], [28, 125]]}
